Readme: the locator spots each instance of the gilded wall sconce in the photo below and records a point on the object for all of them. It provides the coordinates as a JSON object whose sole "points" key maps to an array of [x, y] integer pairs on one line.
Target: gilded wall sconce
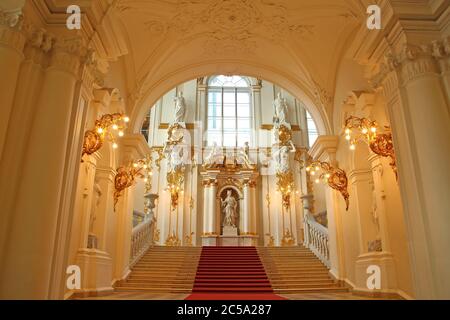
{"points": [[336, 178], [175, 180], [107, 127], [285, 185], [125, 178], [362, 129]]}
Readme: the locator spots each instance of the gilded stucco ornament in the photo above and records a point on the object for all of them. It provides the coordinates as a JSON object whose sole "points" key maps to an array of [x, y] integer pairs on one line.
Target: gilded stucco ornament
{"points": [[368, 131], [336, 178], [125, 178], [105, 128]]}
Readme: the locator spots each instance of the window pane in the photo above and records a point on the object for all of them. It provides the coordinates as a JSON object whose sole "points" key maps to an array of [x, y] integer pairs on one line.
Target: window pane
{"points": [[243, 123], [229, 97], [229, 139], [215, 97], [214, 123], [229, 123], [243, 97], [214, 137], [243, 110], [214, 110], [243, 138], [229, 110]]}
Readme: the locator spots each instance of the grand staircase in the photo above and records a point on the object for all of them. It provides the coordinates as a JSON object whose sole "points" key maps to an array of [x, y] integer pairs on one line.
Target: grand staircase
{"points": [[297, 270], [229, 270], [163, 270]]}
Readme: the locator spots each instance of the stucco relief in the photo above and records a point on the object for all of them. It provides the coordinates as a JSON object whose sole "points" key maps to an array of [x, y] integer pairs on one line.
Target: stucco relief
{"points": [[230, 26]]}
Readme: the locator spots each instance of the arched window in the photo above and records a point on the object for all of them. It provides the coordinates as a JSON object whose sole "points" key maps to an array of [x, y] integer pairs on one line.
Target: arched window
{"points": [[313, 133], [229, 111]]}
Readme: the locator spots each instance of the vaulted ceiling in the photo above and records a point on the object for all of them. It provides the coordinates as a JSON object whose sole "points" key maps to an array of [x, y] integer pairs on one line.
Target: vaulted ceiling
{"points": [[298, 44]]}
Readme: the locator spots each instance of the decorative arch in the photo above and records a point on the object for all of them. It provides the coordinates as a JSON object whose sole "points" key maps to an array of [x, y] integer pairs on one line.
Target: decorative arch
{"points": [[297, 87]]}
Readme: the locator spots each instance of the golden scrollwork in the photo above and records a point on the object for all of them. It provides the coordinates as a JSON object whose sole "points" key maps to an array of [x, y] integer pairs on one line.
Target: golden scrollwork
{"points": [[173, 240], [160, 152], [156, 236], [363, 129], [336, 178], [95, 138], [189, 239], [125, 178], [285, 185], [288, 239], [285, 135], [175, 181], [271, 242]]}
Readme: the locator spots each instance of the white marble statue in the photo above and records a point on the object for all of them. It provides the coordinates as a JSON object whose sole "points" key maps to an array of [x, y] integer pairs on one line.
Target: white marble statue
{"points": [[180, 108], [230, 210], [175, 158], [214, 156], [244, 155], [283, 160], [281, 109]]}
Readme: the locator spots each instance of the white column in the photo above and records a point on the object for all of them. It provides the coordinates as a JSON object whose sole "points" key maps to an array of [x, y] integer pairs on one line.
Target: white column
{"points": [[256, 104], [246, 210], [324, 149], [377, 169], [212, 208], [34, 225], [253, 208], [206, 213], [124, 211], [362, 196], [105, 213], [16, 143], [420, 121], [12, 43]]}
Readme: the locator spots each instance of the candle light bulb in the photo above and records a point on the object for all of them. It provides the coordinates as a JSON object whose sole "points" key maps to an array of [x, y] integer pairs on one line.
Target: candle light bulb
{"points": [[373, 129], [364, 131], [352, 147], [347, 137], [115, 146], [115, 127], [126, 119], [121, 134], [100, 130], [347, 131]]}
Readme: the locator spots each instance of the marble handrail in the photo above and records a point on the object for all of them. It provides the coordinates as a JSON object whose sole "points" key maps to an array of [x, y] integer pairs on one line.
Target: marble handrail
{"points": [[141, 240], [316, 239]]}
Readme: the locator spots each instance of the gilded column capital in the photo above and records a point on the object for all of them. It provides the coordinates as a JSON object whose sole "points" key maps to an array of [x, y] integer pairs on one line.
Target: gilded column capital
{"points": [[11, 30]]}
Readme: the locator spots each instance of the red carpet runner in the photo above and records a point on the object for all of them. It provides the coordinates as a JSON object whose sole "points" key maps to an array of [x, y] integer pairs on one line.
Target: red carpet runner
{"points": [[231, 273]]}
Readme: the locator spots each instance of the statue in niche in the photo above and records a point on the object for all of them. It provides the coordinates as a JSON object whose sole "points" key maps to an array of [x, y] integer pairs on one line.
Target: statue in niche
{"points": [[230, 210], [92, 238], [180, 108], [281, 110]]}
